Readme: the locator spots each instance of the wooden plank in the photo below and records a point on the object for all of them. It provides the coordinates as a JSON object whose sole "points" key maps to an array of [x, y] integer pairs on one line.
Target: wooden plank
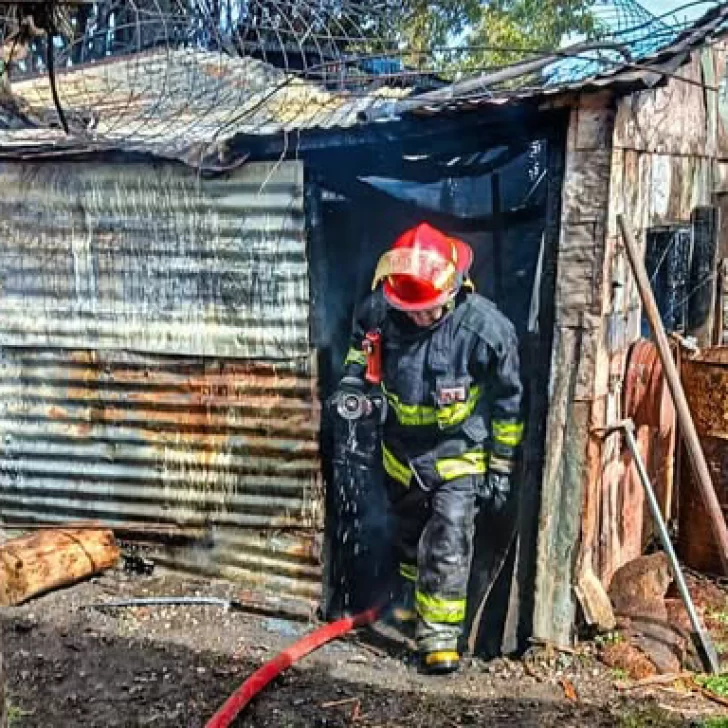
{"points": [[701, 190], [561, 497], [666, 120], [616, 197], [523, 599], [590, 519], [704, 278], [710, 74], [577, 339], [720, 58], [658, 193], [592, 124], [586, 190]]}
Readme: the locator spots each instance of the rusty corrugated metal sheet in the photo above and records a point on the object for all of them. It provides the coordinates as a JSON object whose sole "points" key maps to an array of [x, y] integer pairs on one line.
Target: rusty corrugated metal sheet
{"points": [[172, 101], [229, 447], [155, 364], [705, 379], [153, 258]]}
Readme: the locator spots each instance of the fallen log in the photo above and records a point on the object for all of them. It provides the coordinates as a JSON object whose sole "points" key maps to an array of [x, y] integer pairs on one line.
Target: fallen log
{"points": [[38, 563]]}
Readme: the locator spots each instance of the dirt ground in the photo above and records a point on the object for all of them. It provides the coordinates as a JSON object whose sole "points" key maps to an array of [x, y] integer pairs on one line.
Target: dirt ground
{"points": [[71, 665]]}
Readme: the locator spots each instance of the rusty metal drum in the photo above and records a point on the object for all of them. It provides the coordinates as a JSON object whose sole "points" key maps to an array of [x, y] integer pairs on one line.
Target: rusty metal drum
{"points": [[705, 378]]}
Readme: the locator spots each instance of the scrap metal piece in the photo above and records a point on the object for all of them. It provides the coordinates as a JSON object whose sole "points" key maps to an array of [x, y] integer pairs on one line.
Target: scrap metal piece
{"points": [[227, 604], [703, 642]]}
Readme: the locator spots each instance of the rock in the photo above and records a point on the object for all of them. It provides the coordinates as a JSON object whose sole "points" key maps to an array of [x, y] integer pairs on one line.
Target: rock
{"points": [[639, 587], [594, 601], [661, 643], [677, 615]]}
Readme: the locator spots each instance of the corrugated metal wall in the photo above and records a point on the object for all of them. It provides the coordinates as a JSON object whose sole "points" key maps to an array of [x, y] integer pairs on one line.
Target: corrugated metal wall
{"points": [[155, 362], [153, 258]]}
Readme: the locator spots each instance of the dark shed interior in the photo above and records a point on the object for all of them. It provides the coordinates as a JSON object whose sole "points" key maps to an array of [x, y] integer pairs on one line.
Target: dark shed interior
{"points": [[494, 179]]}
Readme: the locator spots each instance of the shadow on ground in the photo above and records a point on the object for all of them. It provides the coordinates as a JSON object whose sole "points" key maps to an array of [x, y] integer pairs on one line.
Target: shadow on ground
{"points": [[84, 678]]}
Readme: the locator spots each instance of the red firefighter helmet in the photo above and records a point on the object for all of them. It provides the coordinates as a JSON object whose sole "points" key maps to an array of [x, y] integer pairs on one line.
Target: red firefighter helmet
{"points": [[424, 269]]}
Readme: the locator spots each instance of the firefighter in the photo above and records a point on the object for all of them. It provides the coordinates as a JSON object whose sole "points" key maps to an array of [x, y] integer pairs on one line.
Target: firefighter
{"points": [[450, 375]]}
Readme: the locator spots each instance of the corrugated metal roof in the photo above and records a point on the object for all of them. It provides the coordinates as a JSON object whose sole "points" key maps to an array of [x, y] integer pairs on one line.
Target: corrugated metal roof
{"points": [[170, 100], [152, 258], [184, 103]]}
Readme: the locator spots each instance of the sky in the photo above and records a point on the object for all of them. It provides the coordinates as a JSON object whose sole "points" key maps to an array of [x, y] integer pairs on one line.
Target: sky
{"points": [[658, 7]]}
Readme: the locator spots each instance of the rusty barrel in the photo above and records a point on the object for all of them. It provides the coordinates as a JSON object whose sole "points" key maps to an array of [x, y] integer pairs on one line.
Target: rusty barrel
{"points": [[705, 378]]}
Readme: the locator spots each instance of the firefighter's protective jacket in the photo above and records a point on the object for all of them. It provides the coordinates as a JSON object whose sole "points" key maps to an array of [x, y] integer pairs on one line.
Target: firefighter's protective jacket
{"points": [[453, 389]]}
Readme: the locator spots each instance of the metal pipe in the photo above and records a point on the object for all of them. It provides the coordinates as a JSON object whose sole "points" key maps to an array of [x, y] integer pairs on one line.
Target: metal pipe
{"points": [[689, 433], [169, 602], [709, 656], [481, 84]]}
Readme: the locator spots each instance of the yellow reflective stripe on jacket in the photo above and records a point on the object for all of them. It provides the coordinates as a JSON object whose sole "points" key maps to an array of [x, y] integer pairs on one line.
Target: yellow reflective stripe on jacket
{"points": [[417, 415], [394, 468], [408, 571], [355, 356], [508, 433], [439, 609], [410, 414], [469, 463]]}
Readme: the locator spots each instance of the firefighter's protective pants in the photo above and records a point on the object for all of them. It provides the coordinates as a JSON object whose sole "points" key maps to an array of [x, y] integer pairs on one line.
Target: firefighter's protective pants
{"points": [[435, 540]]}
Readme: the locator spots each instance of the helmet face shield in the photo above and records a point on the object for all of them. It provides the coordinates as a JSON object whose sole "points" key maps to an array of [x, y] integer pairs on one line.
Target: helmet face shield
{"points": [[424, 265]]}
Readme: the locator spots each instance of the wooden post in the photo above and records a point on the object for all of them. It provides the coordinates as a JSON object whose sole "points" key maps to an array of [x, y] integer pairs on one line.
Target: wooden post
{"points": [[689, 433]]}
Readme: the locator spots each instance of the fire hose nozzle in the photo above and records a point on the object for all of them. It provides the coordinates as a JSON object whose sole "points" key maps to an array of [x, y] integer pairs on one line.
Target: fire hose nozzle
{"points": [[356, 406]]}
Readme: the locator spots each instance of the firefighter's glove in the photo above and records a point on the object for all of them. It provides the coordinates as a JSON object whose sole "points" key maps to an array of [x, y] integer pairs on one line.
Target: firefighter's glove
{"points": [[498, 483], [497, 490]]}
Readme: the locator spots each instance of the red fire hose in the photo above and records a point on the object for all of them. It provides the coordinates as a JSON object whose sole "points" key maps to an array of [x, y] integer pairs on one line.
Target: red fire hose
{"points": [[268, 672]]}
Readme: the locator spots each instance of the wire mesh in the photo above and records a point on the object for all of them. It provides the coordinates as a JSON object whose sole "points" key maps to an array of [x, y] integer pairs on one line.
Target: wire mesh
{"points": [[156, 74]]}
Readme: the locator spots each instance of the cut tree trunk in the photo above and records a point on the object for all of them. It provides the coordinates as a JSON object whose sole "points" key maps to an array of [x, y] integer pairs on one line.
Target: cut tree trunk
{"points": [[41, 562]]}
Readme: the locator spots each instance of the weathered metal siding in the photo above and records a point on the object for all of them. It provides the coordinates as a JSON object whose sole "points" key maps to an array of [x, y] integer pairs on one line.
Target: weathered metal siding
{"points": [[155, 363], [153, 258], [705, 379]]}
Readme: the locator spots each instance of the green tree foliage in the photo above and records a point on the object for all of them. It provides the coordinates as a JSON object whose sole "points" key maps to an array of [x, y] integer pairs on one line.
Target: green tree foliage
{"points": [[443, 35], [490, 33]]}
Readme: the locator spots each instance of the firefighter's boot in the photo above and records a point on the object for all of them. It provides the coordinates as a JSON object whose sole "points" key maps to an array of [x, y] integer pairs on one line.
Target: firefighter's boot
{"points": [[440, 662]]}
